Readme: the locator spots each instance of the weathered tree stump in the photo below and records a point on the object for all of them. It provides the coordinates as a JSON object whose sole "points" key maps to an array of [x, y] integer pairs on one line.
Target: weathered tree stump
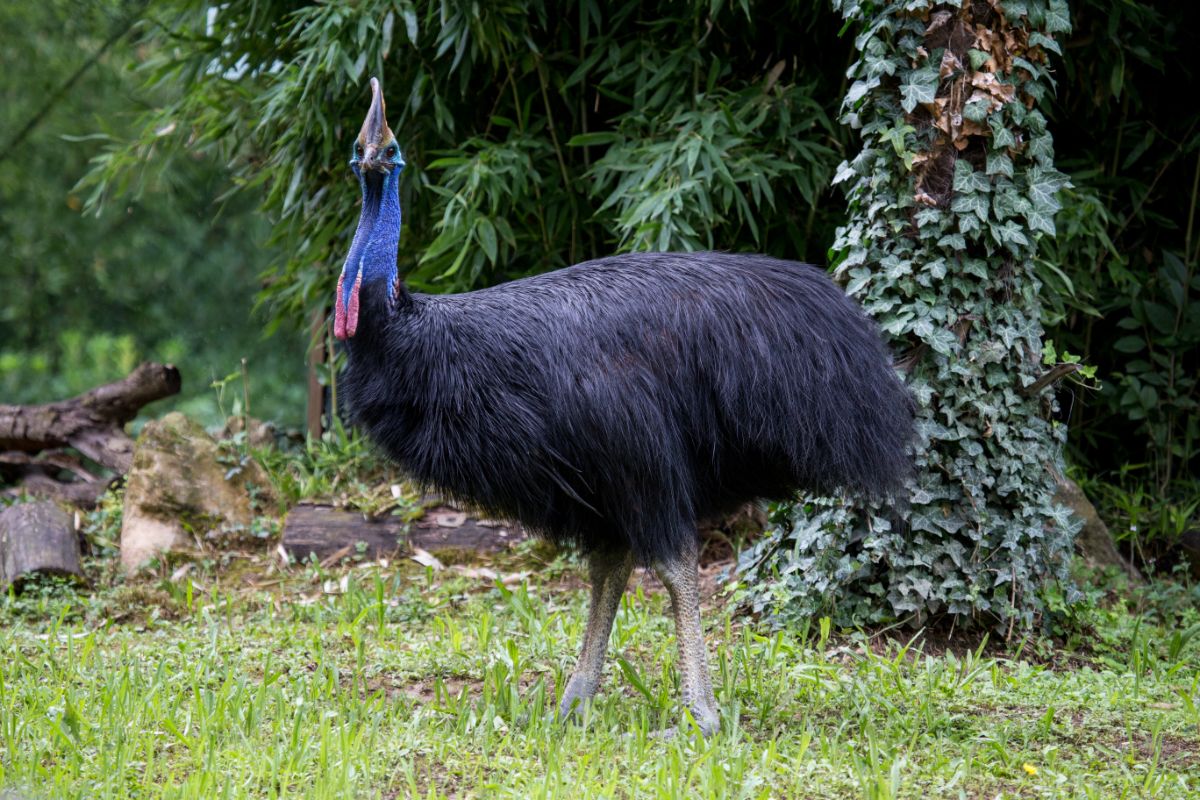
{"points": [[37, 538], [1094, 542], [324, 531], [34, 439]]}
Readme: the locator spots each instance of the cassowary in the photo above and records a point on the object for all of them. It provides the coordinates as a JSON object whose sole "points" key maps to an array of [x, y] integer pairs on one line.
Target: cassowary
{"points": [[614, 403]]}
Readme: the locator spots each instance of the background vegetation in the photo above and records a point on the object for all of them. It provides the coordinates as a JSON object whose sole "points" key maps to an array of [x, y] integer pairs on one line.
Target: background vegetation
{"points": [[538, 134], [168, 273]]}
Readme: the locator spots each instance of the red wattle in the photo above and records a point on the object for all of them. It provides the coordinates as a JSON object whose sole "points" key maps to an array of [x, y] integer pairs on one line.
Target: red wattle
{"points": [[345, 315], [352, 311], [339, 311]]}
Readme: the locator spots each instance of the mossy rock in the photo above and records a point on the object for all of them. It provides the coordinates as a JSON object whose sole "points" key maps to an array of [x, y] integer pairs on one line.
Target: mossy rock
{"points": [[183, 484]]}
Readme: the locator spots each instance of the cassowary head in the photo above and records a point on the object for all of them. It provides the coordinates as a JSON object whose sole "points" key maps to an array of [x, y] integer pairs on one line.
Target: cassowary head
{"points": [[377, 164], [375, 148]]}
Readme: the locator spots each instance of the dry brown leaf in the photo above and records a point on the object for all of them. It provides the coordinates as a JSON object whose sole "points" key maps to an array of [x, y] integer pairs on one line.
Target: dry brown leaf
{"points": [[972, 128], [475, 572], [937, 21], [924, 199], [336, 556], [988, 82], [773, 75], [950, 65]]}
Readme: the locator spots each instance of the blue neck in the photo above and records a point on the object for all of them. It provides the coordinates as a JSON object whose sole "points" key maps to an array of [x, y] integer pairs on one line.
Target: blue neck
{"points": [[377, 238]]}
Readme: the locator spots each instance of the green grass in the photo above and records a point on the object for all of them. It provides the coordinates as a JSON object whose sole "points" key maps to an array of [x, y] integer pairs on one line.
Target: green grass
{"points": [[409, 683]]}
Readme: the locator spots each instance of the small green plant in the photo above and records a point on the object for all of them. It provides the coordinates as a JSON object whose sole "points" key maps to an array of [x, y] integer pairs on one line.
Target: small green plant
{"points": [[342, 467], [1145, 521]]}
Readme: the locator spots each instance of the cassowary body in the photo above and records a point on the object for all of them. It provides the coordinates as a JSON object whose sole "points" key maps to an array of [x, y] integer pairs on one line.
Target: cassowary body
{"points": [[615, 403]]}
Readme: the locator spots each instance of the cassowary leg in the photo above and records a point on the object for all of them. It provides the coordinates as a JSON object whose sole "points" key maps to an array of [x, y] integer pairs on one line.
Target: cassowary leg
{"points": [[609, 573], [681, 577]]}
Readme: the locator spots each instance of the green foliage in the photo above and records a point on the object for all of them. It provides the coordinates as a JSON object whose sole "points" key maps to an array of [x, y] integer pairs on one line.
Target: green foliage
{"points": [[1146, 522], [167, 276], [537, 134], [945, 223], [342, 467], [1123, 278]]}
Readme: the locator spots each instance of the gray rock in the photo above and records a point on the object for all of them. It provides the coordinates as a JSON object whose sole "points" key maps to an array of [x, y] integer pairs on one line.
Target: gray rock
{"points": [[180, 486]]}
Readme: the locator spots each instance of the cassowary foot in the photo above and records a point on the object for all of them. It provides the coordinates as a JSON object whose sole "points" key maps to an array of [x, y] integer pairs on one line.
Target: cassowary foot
{"points": [[706, 720], [575, 699]]}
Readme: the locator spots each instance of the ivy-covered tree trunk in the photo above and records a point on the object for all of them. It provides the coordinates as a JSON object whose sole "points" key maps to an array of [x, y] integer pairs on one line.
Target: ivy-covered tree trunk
{"points": [[953, 188]]}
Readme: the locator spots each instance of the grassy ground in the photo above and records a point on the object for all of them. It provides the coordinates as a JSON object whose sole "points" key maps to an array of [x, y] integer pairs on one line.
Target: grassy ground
{"points": [[396, 681]]}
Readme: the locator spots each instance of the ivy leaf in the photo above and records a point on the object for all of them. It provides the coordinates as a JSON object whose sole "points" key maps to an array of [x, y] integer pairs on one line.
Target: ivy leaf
{"points": [[973, 203], [999, 164], [976, 110], [844, 172], [895, 267], [859, 278], [1010, 233], [1041, 149], [1043, 189], [858, 90], [969, 179], [942, 341], [918, 86], [976, 267], [1046, 42], [1001, 136], [1058, 20], [1013, 9], [927, 215], [1041, 222], [953, 241]]}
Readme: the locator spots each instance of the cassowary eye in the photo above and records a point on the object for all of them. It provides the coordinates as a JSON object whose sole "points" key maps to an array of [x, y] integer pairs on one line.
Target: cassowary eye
{"points": [[358, 150], [391, 151]]}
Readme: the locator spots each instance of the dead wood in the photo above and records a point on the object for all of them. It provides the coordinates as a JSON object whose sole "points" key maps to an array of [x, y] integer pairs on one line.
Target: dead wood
{"points": [[37, 538], [1095, 543], [92, 424], [324, 531]]}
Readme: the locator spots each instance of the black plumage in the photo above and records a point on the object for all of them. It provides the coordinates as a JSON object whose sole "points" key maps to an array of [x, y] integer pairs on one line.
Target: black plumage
{"points": [[621, 400]]}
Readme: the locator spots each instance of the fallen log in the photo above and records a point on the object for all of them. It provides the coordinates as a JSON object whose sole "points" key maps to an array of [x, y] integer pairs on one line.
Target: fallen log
{"points": [[92, 424], [327, 534], [37, 539]]}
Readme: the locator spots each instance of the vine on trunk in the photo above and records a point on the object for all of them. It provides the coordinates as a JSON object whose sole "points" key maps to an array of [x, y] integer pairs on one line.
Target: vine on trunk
{"points": [[948, 198]]}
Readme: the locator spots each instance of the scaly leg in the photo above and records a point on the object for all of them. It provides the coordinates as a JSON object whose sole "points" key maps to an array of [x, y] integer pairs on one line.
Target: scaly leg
{"points": [[609, 573], [681, 577]]}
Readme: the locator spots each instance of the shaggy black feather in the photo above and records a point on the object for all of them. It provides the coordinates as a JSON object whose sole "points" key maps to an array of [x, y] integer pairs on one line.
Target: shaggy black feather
{"points": [[623, 399]]}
